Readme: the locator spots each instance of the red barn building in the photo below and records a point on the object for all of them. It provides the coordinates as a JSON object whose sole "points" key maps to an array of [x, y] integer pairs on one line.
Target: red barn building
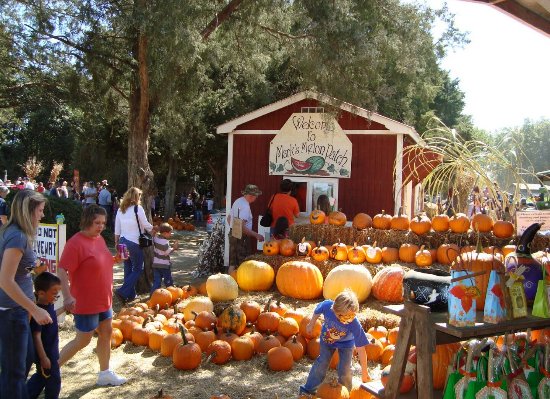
{"points": [[348, 153]]}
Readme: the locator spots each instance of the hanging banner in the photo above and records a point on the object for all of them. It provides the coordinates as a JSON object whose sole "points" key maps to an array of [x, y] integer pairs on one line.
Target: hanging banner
{"points": [[311, 144]]}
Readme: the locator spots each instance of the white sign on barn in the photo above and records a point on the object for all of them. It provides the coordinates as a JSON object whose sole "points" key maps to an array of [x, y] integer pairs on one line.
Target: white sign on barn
{"points": [[525, 219], [311, 144]]}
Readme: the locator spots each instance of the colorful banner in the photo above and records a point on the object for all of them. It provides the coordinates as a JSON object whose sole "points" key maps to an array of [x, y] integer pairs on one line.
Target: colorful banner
{"points": [[311, 144]]}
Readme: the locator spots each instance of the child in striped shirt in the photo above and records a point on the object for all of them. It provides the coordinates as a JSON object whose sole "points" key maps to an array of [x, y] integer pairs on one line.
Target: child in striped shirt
{"points": [[161, 263]]}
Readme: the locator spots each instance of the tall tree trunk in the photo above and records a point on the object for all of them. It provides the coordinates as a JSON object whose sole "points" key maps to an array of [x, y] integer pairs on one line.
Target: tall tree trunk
{"points": [[171, 180], [139, 173]]}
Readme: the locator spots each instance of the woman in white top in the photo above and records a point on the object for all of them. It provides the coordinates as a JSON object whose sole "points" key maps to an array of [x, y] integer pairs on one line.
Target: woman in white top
{"points": [[127, 232]]}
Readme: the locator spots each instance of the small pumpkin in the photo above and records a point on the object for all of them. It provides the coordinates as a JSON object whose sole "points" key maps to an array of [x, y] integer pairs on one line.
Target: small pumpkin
{"points": [[332, 390], [459, 223], [295, 347], [423, 257], [268, 343], [320, 253], [447, 253], [317, 217], [232, 319], [382, 221], [339, 251], [482, 222], [303, 248], [356, 255], [390, 255], [400, 221], [361, 221], [287, 247], [503, 229], [405, 385], [373, 254], [251, 310], [242, 348], [218, 352], [271, 248], [421, 224], [116, 338], [337, 218], [160, 297], [280, 359], [187, 355], [440, 223], [374, 349], [288, 327], [407, 252]]}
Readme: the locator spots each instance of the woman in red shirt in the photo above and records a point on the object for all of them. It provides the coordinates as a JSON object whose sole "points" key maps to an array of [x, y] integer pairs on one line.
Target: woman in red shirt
{"points": [[86, 273]]}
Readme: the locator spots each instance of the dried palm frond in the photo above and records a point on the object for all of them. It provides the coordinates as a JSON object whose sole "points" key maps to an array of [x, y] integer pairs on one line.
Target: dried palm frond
{"points": [[32, 167], [56, 170], [449, 162]]}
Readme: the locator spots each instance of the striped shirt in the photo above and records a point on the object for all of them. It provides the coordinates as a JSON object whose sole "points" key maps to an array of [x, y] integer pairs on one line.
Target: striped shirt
{"points": [[162, 251]]}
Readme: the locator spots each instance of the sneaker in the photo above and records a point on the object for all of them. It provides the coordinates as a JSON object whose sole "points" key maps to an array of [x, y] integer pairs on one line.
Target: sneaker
{"points": [[109, 377]]}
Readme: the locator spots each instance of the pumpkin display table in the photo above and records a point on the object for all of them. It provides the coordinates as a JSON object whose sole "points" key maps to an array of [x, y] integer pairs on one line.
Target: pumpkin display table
{"points": [[426, 329]]}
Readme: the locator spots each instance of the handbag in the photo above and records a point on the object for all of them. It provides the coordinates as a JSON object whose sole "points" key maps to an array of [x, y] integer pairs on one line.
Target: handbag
{"points": [[145, 239], [267, 218]]}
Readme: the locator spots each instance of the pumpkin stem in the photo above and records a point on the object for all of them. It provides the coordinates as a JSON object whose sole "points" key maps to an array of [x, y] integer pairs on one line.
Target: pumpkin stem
{"points": [[157, 309], [215, 328], [183, 331], [268, 304], [479, 248], [160, 393]]}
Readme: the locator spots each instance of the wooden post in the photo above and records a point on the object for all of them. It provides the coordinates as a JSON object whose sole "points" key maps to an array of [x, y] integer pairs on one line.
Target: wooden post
{"points": [[425, 347]]}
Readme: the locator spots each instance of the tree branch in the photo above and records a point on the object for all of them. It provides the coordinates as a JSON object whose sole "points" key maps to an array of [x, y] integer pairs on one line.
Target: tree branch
{"points": [[220, 18], [65, 40]]}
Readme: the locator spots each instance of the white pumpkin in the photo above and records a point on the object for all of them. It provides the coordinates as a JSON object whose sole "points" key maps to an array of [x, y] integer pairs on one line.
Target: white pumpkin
{"points": [[253, 275], [356, 278], [222, 287], [197, 304]]}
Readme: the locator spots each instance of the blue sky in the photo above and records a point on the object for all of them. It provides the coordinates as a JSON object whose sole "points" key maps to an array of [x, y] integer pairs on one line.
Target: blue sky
{"points": [[504, 70]]}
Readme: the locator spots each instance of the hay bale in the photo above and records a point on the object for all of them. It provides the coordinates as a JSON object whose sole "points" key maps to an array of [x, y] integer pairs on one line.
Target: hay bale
{"points": [[328, 235]]}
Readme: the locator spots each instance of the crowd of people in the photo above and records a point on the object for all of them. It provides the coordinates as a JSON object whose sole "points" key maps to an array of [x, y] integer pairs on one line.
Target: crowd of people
{"points": [[194, 205]]}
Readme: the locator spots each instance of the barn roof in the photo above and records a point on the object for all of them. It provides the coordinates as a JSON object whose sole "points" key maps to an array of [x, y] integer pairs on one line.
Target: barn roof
{"points": [[535, 13], [392, 125]]}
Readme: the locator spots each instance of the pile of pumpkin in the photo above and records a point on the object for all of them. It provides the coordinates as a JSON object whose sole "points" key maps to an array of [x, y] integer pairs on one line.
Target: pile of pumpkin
{"points": [[175, 222], [420, 224]]}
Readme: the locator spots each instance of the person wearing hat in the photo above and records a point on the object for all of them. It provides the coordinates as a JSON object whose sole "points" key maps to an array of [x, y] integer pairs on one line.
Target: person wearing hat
{"points": [[240, 248]]}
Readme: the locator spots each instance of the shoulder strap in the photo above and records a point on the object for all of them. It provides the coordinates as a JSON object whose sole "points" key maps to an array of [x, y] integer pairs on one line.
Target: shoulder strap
{"points": [[137, 220], [270, 201]]}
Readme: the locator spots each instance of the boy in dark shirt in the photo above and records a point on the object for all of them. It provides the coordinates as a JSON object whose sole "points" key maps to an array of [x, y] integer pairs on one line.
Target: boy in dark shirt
{"points": [[46, 340]]}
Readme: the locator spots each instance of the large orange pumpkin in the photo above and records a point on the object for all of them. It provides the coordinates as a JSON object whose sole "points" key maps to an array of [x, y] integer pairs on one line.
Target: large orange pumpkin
{"points": [[387, 284], [253, 275], [406, 383], [382, 221], [362, 221], [337, 218], [443, 356], [300, 280]]}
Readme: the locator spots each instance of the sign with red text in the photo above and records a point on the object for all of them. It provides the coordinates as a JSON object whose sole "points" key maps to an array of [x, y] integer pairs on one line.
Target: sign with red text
{"points": [[311, 144], [49, 244]]}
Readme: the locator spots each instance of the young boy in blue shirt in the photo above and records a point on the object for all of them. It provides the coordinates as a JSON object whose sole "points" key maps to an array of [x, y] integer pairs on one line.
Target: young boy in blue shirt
{"points": [[341, 331], [46, 340]]}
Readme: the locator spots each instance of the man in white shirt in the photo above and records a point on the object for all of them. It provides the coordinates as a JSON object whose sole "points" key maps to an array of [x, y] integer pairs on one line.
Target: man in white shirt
{"points": [[104, 201], [239, 248], [28, 184], [90, 194]]}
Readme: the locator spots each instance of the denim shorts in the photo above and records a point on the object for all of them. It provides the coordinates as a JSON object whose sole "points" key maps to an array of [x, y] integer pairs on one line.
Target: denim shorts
{"points": [[89, 322]]}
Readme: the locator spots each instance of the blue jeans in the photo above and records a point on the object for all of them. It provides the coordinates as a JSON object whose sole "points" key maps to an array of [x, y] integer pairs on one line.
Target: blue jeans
{"points": [[16, 353], [133, 267], [50, 385], [159, 275], [320, 367], [198, 215]]}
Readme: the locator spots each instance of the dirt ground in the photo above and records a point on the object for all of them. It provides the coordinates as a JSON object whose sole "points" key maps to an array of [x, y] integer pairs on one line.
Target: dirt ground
{"points": [[147, 371]]}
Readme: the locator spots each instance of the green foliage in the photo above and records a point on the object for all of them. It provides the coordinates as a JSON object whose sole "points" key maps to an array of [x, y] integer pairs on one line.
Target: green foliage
{"points": [[54, 206]]}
